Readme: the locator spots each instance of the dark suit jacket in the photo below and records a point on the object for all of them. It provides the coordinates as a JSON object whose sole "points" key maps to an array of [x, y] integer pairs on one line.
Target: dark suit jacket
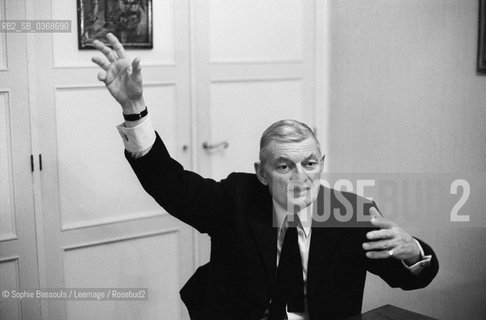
{"points": [[238, 281]]}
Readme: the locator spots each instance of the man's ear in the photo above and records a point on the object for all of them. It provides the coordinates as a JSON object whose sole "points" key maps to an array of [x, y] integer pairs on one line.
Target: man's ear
{"points": [[260, 173], [322, 162]]}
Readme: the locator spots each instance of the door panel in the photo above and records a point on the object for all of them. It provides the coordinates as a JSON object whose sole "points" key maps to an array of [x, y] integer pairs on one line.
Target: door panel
{"points": [[87, 168], [7, 197], [150, 261], [10, 309], [255, 30]]}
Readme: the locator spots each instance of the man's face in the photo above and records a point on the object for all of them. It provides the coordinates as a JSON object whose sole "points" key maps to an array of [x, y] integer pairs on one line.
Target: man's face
{"points": [[289, 169]]}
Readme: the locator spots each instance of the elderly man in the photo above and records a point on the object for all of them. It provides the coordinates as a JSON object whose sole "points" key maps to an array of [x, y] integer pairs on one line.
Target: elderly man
{"points": [[270, 259]]}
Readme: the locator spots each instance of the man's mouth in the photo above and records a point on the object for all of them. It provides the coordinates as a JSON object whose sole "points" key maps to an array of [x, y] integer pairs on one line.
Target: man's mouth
{"points": [[300, 190]]}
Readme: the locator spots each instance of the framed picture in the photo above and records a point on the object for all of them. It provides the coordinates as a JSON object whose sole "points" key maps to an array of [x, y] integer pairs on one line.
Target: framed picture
{"points": [[482, 37], [129, 20]]}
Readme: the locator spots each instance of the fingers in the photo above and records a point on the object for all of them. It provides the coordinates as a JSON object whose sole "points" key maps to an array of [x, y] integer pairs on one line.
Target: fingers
{"points": [[136, 70], [378, 245], [391, 249], [102, 76], [379, 254], [103, 63], [109, 54], [378, 220], [380, 249], [375, 213], [384, 245], [382, 223], [383, 241], [117, 46], [136, 67], [380, 234]]}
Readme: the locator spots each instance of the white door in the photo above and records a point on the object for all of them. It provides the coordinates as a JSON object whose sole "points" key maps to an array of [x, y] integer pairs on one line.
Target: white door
{"points": [[18, 247], [254, 65], [101, 230]]}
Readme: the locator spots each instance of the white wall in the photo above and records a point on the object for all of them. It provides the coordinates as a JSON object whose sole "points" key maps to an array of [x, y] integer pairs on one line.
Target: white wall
{"points": [[405, 97]]}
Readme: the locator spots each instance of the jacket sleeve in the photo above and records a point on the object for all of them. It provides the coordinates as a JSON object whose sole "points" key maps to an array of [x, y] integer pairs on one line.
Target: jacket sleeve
{"points": [[186, 195]]}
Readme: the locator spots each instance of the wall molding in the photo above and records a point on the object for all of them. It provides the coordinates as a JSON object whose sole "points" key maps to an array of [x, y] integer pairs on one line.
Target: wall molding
{"points": [[101, 85], [11, 258], [121, 239], [112, 220], [256, 79], [8, 237], [255, 62], [258, 71], [93, 66]]}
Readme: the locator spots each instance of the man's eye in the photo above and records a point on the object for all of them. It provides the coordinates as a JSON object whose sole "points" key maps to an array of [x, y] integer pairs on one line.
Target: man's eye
{"points": [[311, 164], [283, 167]]}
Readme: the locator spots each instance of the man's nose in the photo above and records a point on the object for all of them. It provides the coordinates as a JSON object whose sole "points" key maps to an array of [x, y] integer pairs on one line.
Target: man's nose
{"points": [[299, 170], [299, 175]]}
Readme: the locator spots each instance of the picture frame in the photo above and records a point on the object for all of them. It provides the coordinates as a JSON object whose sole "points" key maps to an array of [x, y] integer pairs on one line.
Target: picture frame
{"points": [[481, 66], [129, 20]]}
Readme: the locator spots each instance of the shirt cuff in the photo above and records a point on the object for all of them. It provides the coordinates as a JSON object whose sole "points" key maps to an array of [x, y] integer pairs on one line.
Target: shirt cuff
{"points": [[138, 140], [422, 264]]}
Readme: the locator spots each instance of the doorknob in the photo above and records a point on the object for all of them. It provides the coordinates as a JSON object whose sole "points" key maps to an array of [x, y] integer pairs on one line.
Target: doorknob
{"points": [[215, 147]]}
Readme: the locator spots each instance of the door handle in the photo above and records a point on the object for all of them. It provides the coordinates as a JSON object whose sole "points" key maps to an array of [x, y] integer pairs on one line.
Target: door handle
{"points": [[215, 147]]}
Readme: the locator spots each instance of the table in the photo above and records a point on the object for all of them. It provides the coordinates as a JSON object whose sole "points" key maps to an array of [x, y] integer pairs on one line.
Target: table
{"points": [[389, 312]]}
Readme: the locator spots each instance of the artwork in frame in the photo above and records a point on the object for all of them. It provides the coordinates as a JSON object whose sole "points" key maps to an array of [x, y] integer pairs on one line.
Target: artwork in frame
{"points": [[482, 37], [129, 20]]}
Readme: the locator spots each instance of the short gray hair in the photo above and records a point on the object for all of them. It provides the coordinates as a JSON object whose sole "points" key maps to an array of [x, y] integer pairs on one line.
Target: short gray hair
{"points": [[285, 131]]}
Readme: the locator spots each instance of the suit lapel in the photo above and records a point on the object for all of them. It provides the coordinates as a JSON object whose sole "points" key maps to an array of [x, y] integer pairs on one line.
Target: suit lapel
{"points": [[264, 234]]}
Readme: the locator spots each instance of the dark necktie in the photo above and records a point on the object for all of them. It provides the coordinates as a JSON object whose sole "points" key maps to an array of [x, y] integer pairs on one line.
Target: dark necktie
{"points": [[289, 288]]}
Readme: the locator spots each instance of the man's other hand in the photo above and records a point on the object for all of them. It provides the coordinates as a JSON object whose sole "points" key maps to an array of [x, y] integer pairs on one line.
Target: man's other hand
{"points": [[122, 77], [390, 241]]}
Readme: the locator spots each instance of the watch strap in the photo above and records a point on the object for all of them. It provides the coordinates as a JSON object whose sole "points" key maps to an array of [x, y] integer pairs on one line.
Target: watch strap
{"points": [[135, 116]]}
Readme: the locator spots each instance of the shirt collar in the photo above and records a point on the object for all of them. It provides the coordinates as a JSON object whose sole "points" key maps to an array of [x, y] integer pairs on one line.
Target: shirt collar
{"points": [[305, 217]]}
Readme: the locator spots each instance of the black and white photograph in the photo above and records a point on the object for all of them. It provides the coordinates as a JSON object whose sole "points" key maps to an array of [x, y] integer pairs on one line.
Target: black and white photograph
{"points": [[242, 159]]}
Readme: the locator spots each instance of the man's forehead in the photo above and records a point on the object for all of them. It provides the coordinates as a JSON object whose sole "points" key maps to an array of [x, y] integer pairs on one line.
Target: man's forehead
{"points": [[289, 150]]}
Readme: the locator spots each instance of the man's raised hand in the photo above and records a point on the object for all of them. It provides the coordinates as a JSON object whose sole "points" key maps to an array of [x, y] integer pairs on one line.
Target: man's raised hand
{"points": [[122, 77]]}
